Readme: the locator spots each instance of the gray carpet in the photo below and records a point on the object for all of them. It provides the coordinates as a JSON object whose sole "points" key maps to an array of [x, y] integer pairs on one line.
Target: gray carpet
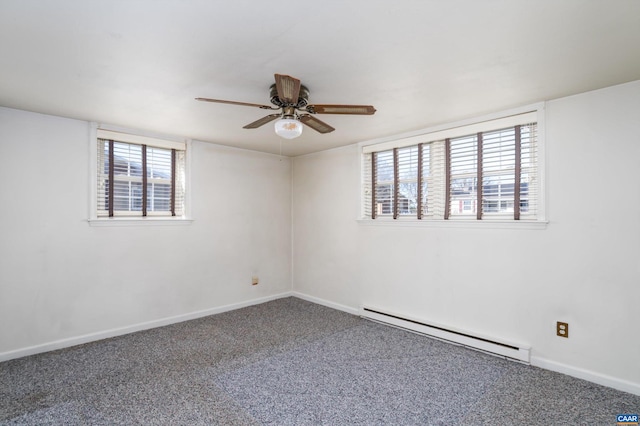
{"points": [[291, 362]]}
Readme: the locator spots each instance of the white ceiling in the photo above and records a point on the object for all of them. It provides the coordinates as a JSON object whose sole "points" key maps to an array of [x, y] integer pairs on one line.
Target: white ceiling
{"points": [[141, 63]]}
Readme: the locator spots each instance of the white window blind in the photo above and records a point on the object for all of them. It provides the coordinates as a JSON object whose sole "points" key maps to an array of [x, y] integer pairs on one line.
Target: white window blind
{"points": [[463, 170], [406, 179], [529, 182], [367, 182], [498, 171], [491, 174], [435, 179], [138, 179], [383, 183]]}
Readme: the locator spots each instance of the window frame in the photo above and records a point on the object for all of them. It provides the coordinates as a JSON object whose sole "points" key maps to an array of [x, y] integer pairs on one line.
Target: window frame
{"points": [[139, 137], [486, 123]]}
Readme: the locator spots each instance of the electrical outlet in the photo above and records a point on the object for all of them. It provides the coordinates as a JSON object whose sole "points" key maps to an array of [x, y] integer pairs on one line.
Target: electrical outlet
{"points": [[254, 280], [562, 329]]}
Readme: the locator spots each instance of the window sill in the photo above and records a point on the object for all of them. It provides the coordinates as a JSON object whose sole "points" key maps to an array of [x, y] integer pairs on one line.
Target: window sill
{"points": [[453, 223], [140, 221]]}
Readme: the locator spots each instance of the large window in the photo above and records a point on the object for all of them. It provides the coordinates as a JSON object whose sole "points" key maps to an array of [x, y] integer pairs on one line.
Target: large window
{"points": [[491, 173], [139, 176]]}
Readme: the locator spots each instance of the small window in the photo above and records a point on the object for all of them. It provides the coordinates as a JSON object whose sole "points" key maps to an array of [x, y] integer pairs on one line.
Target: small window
{"points": [[139, 176]]}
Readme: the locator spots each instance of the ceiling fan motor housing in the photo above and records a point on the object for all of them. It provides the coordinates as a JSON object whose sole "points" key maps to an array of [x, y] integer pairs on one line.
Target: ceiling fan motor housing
{"points": [[303, 97]]}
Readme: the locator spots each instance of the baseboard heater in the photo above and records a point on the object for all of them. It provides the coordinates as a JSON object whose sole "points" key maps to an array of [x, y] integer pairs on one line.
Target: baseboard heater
{"points": [[508, 350]]}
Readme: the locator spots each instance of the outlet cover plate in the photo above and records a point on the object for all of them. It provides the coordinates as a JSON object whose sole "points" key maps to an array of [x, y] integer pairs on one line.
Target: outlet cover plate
{"points": [[562, 329]]}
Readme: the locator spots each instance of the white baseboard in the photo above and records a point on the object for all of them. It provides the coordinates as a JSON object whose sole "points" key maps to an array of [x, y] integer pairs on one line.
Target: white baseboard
{"points": [[590, 376], [323, 302], [92, 337]]}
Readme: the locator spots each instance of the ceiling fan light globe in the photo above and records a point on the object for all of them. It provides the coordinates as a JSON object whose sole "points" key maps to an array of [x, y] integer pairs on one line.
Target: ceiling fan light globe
{"points": [[288, 128]]}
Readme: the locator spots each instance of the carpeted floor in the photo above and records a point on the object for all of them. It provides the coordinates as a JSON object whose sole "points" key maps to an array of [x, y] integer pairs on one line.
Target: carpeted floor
{"points": [[291, 362]]}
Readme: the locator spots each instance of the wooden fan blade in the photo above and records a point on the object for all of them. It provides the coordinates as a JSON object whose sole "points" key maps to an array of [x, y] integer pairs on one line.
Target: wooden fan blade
{"points": [[220, 101], [262, 121], [341, 109], [288, 88], [315, 124]]}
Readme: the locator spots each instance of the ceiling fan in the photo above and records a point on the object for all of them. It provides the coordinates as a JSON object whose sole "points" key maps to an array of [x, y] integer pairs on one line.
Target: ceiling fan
{"points": [[292, 98]]}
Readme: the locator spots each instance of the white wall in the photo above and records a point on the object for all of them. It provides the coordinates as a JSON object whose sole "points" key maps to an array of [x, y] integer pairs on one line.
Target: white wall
{"points": [[63, 279], [509, 284], [325, 239]]}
